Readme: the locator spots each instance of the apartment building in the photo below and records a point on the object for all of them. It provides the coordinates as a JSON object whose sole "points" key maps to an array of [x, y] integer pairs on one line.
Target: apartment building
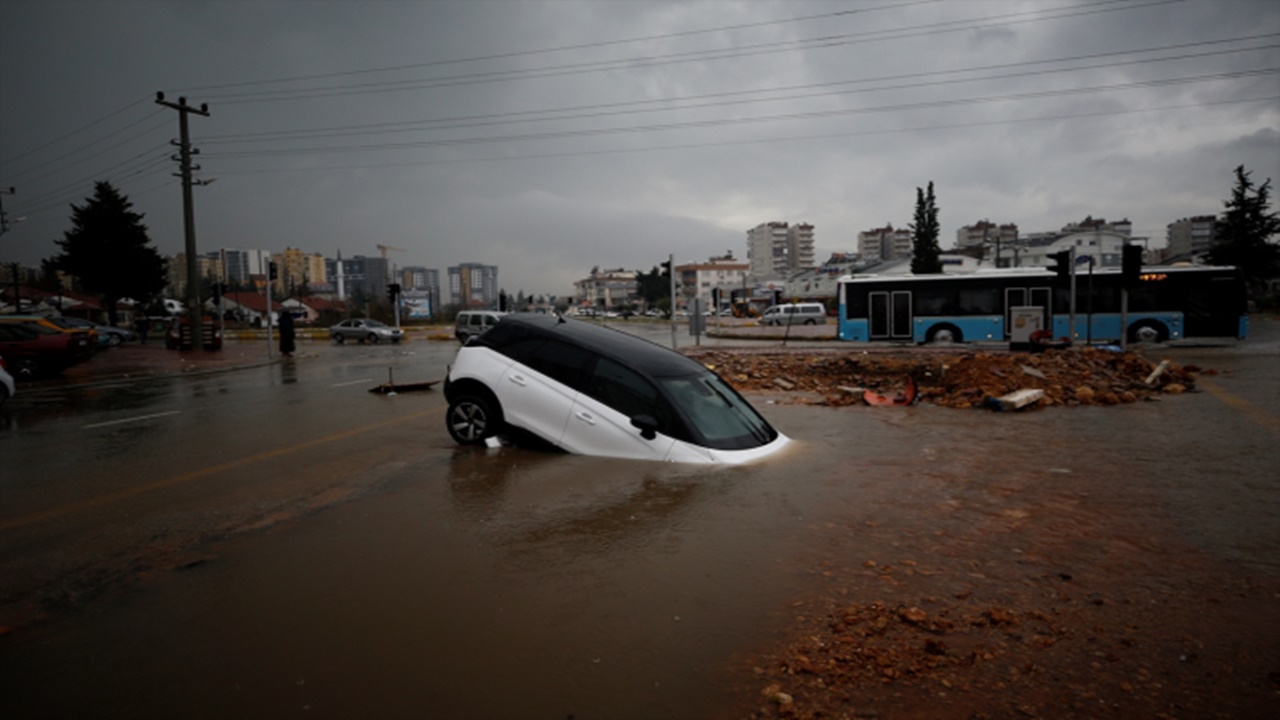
{"points": [[473, 285], [1190, 236], [884, 244], [699, 279], [607, 288], [984, 233], [777, 250]]}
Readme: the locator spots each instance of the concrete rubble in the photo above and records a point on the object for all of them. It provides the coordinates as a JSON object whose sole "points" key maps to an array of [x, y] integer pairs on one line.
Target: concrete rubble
{"points": [[1070, 377]]}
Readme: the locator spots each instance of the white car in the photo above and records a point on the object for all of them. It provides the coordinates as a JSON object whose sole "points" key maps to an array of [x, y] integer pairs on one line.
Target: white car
{"points": [[7, 387], [593, 390]]}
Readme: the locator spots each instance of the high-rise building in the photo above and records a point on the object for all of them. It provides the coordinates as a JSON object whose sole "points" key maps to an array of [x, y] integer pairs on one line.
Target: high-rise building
{"points": [[473, 285], [985, 232], [776, 250], [884, 244], [1191, 235]]}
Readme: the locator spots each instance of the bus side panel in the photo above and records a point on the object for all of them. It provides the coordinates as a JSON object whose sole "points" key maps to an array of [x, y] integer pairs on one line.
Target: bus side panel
{"points": [[854, 330], [1106, 326], [973, 328]]}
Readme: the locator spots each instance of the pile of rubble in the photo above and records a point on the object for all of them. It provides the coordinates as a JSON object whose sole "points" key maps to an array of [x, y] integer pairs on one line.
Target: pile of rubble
{"points": [[1075, 376]]}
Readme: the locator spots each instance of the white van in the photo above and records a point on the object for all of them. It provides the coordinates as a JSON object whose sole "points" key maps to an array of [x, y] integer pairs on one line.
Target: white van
{"points": [[795, 314], [474, 322]]}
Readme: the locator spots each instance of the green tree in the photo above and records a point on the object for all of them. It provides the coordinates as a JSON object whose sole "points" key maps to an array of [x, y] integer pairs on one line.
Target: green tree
{"points": [[108, 251], [1243, 235], [654, 286], [924, 241]]}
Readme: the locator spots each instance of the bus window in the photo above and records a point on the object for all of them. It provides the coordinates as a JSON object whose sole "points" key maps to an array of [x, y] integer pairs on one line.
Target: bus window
{"points": [[980, 301]]}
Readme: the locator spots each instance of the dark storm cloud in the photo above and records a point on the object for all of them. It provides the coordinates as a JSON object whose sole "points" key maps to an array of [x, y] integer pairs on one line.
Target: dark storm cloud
{"points": [[546, 197]]}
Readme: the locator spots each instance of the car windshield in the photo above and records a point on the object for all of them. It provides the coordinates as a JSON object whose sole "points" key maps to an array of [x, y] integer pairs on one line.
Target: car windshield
{"points": [[723, 419]]}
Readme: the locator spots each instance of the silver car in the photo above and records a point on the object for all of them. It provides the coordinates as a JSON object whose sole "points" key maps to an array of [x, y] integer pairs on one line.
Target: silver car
{"points": [[365, 330], [7, 388]]}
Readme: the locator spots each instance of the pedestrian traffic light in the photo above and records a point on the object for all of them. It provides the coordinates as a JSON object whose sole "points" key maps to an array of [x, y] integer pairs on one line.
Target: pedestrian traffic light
{"points": [[271, 272], [393, 291], [1131, 265], [1060, 263]]}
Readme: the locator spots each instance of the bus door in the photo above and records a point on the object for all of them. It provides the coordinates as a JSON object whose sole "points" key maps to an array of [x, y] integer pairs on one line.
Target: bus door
{"points": [[1041, 297], [890, 315]]}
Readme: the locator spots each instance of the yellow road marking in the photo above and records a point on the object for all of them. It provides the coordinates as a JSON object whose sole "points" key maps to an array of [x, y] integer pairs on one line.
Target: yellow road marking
{"points": [[25, 520], [1263, 417]]}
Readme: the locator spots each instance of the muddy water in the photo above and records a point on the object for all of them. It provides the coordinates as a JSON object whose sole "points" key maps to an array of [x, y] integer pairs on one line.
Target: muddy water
{"points": [[517, 584]]}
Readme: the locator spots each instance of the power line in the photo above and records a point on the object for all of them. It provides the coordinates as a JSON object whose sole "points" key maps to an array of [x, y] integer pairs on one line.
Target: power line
{"points": [[1105, 6], [101, 151], [75, 132], [757, 141], [634, 106], [743, 121], [579, 46]]}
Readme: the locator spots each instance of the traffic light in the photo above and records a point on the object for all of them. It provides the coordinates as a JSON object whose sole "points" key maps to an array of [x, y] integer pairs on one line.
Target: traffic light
{"points": [[393, 291], [1131, 265], [271, 272], [1060, 263], [666, 269]]}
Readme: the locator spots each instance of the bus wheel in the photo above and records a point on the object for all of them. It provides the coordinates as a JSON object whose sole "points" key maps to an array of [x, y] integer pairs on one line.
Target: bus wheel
{"points": [[944, 334], [1148, 331]]}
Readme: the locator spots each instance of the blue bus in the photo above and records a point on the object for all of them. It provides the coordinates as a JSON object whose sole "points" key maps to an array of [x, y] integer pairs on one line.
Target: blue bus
{"points": [[1169, 303]]}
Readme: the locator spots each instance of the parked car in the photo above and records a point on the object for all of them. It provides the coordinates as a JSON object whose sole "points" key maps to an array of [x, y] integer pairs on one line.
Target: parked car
{"points": [[597, 391], [33, 349], [7, 387], [54, 323], [365, 330], [474, 322], [108, 335], [795, 314]]}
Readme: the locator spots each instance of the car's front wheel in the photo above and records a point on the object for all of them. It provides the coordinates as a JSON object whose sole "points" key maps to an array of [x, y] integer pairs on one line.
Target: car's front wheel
{"points": [[471, 419], [372, 338]]}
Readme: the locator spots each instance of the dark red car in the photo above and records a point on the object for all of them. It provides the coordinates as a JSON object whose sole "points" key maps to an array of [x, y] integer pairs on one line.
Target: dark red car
{"points": [[32, 350]]}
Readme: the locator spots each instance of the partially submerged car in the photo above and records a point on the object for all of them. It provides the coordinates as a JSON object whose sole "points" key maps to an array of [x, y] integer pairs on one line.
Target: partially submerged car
{"points": [[597, 391], [365, 330]]}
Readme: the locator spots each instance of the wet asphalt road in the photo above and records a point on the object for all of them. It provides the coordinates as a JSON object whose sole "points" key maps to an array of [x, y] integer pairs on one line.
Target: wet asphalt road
{"points": [[279, 541]]}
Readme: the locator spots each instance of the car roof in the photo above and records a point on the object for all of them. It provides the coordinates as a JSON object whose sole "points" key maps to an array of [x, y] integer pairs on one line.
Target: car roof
{"points": [[630, 350]]}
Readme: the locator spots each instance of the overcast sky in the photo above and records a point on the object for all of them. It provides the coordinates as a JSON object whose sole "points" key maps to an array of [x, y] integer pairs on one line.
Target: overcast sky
{"points": [[550, 137]]}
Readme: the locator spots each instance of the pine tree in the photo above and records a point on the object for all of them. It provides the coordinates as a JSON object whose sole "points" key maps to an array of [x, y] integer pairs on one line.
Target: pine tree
{"points": [[1242, 236], [924, 243], [108, 251]]}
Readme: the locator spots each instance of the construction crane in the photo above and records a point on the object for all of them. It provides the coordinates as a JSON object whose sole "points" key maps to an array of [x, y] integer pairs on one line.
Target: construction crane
{"points": [[385, 248]]}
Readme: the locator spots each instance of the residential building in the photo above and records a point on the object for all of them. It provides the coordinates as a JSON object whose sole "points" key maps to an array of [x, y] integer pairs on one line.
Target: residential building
{"points": [[359, 275], [608, 289], [1091, 224], [985, 233], [1100, 246], [239, 266], [1190, 236], [473, 285], [297, 268], [699, 279], [884, 244], [777, 250]]}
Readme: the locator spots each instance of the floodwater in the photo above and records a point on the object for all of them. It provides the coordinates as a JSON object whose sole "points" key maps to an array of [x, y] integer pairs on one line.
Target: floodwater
{"points": [[512, 583]]}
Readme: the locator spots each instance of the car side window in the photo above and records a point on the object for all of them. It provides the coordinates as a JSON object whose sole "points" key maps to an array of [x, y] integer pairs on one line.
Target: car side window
{"points": [[626, 391], [561, 362]]}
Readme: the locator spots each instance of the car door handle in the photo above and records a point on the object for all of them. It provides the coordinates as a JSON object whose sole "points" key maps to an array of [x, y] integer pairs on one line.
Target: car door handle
{"points": [[586, 417], [519, 380]]}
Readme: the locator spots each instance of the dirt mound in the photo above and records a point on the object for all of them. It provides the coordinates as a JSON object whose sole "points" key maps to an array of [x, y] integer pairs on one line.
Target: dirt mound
{"points": [[1075, 376]]}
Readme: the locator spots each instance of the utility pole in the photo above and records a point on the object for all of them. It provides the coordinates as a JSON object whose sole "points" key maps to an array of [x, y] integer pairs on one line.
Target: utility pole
{"points": [[194, 314], [4, 217]]}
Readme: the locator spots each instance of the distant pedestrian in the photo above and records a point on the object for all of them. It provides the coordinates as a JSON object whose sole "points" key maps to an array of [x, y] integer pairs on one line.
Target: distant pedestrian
{"points": [[286, 334], [141, 325]]}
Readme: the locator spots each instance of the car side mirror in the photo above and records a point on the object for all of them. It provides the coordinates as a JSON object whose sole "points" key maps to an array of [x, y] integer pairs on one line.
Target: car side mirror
{"points": [[647, 424]]}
